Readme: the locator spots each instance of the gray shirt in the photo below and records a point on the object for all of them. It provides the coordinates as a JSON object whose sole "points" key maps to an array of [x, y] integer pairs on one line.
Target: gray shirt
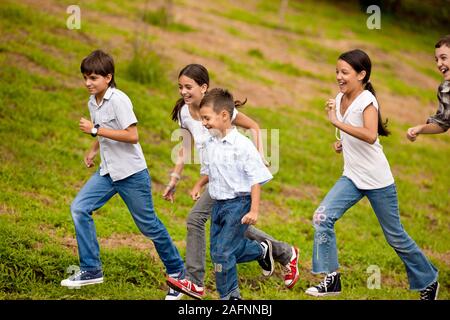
{"points": [[118, 159]]}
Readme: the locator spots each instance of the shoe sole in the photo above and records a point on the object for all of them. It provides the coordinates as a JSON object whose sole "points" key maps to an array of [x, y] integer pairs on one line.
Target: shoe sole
{"points": [[183, 290], [292, 284], [270, 249], [173, 298], [322, 294], [74, 284]]}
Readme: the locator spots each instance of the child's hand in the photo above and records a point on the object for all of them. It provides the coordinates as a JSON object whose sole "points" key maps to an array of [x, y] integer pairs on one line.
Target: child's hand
{"points": [[337, 146], [85, 125], [89, 159], [250, 218], [195, 192], [331, 110], [412, 133], [169, 192]]}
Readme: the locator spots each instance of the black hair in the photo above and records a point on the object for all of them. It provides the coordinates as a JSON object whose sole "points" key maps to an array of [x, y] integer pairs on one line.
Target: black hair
{"points": [[99, 62], [196, 72], [360, 61]]}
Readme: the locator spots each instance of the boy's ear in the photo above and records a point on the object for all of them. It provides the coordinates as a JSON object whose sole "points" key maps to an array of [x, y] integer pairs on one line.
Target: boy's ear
{"points": [[108, 77]]}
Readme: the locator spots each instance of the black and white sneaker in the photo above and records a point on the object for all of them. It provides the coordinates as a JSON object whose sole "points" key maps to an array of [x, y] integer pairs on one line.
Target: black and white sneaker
{"points": [[430, 292], [266, 262], [331, 285], [83, 278]]}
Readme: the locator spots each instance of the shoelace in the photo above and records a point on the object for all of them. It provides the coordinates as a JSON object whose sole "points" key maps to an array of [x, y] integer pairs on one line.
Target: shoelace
{"points": [[78, 274], [425, 294], [324, 284]]}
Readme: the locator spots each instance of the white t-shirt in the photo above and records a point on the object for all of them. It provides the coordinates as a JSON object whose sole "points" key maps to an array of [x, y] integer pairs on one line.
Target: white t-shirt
{"points": [[199, 133], [365, 164]]}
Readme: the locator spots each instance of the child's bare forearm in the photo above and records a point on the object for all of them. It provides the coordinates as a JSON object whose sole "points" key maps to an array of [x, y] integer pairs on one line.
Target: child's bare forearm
{"points": [[430, 128], [202, 181], [255, 195]]}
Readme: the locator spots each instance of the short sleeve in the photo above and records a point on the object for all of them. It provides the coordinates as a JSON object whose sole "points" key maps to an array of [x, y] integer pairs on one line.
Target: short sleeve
{"points": [[254, 167], [124, 112], [367, 99], [235, 113], [204, 162]]}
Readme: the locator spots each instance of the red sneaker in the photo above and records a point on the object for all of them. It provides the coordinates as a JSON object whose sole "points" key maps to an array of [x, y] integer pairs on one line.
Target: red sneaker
{"points": [[187, 287], [291, 273]]}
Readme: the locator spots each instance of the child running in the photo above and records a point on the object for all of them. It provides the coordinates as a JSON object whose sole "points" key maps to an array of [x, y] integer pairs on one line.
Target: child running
{"points": [[356, 114], [123, 170], [235, 172], [440, 122], [193, 81]]}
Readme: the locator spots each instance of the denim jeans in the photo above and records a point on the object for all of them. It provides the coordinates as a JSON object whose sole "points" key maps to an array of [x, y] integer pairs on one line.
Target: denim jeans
{"points": [[229, 246], [384, 202], [196, 240], [135, 191]]}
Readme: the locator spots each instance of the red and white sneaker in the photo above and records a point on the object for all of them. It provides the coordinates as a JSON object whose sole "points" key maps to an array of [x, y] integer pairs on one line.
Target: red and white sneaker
{"points": [[187, 287], [291, 274]]}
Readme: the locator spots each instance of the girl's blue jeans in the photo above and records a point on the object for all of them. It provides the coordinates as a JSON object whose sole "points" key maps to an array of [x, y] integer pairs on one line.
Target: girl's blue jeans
{"points": [[344, 194]]}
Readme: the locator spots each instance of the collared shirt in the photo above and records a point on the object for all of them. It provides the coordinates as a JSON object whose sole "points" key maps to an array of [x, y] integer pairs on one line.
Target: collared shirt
{"points": [[442, 116], [115, 111], [198, 131], [364, 163], [233, 165]]}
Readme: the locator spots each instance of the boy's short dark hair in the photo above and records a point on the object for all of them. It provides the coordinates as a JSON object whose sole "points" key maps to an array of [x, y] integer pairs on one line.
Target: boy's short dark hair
{"points": [[99, 62], [445, 40], [219, 99]]}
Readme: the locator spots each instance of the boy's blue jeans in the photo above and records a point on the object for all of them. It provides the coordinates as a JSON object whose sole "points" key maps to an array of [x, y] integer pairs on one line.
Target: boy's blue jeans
{"points": [[229, 246], [135, 191], [344, 194]]}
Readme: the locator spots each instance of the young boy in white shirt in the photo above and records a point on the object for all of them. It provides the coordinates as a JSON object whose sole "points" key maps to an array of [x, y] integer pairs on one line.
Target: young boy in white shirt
{"points": [[235, 172]]}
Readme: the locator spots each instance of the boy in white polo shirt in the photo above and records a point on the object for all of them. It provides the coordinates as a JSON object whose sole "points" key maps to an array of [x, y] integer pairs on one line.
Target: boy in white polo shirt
{"points": [[235, 172], [123, 170]]}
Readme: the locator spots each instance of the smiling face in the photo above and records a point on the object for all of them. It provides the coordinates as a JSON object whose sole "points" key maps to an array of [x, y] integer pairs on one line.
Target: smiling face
{"points": [[216, 123], [347, 78], [191, 92], [442, 56], [96, 83]]}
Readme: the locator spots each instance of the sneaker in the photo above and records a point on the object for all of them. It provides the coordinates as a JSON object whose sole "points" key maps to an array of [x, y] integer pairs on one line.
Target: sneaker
{"points": [[266, 262], [430, 292], [187, 287], [331, 285], [174, 294], [291, 274], [83, 278]]}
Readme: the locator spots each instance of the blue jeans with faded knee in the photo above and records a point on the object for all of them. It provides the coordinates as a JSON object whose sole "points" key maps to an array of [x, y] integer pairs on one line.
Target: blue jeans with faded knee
{"points": [[229, 245], [135, 191], [344, 194]]}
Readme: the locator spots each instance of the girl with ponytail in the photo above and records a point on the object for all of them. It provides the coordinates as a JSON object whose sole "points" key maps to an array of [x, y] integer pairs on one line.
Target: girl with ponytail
{"points": [[193, 82], [356, 115]]}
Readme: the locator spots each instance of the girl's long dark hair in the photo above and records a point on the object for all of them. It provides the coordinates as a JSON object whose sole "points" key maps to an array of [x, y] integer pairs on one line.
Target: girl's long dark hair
{"points": [[360, 61], [196, 72]]}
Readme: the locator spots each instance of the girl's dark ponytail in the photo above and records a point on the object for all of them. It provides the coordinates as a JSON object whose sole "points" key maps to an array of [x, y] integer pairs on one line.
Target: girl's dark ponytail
{"points": [[238, 103], [382, 126], [177, 109]]}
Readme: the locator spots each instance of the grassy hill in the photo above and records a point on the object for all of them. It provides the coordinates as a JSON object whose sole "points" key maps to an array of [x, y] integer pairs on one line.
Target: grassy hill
{"points": [[283, 64]]}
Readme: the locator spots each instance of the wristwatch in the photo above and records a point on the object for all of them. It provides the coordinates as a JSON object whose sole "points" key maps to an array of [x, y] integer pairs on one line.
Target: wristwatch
{"points": [[94, 130]]}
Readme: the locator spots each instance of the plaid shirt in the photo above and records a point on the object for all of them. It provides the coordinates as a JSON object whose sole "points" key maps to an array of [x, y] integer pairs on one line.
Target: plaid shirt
{"points": [[442, 116]]}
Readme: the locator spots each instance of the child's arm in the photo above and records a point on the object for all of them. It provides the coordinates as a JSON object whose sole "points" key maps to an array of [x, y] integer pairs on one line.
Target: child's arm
{"points": [[175, 176], [367, 133], [430, 128], [252, 216], [246, 122], [91, 154], [128, 135], [195, 192]]}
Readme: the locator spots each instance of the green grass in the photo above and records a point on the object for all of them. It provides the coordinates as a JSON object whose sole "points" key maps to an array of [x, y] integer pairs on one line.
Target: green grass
{"points": [[41, 149]]}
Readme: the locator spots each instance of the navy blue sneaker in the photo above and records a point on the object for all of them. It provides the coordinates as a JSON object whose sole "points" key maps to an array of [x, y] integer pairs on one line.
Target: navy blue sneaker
{"points": [[83, 278], [431, 292], [174, 294]]}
